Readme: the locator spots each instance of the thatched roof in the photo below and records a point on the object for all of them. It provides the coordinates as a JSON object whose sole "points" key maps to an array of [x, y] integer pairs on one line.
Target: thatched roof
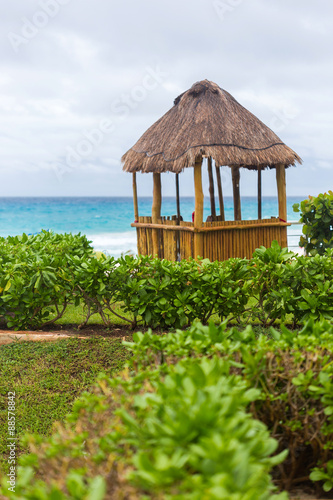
{"points": [[207, 121]]}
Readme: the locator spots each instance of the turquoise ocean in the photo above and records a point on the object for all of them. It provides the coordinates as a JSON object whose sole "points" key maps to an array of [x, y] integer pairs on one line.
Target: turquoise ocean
{"points": [[107, 221]]}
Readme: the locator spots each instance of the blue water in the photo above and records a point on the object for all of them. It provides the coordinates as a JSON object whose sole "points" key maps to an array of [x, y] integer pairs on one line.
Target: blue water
{"points": [[107, 221]]}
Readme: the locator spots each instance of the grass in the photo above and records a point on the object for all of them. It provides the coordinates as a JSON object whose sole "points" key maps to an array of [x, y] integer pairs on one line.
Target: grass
{"points": [[76, 315], [48, 377]]}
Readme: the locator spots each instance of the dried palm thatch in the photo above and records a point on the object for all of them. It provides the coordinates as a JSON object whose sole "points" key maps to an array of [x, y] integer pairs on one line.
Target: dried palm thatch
{"points": [[207, 121]]}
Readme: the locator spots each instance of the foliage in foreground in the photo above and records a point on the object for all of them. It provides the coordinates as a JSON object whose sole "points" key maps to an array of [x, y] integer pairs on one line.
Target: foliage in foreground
{"points": [[191, 418], [294, 372], [317, 219], [41, 275], [183, 435]]}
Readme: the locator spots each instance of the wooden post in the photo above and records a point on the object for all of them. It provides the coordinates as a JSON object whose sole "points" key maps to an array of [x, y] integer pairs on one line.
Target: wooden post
{"points": [[198, 210], [178, 217], [135, 199], [211, 188], [259, 194], [156, 210], [219, 187], [177, 198], [281, 189], [235, 184], [282, 197]]}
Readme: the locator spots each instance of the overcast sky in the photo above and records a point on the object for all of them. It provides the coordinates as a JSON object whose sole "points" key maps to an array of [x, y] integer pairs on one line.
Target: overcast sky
{"points": [[81, 80]]}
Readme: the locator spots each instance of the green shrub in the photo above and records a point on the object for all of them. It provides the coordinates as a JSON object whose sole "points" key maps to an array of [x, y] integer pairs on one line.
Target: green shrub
{"points": [[284, 283], [173, 294], [317, 219], [176, 424], [182, 435], [293, 370], [98, 284], [40, 275], [35, 279], [273, 298]]}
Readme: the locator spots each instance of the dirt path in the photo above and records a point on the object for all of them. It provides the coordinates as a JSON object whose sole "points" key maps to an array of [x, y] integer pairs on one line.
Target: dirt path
{"points": [[9, 336]]}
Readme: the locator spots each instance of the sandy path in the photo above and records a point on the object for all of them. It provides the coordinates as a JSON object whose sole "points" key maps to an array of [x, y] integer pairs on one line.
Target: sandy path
{"points": [[7, 337]]}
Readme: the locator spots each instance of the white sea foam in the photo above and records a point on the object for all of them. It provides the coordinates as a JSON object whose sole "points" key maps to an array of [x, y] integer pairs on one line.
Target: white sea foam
{"points": [[114, 243]]}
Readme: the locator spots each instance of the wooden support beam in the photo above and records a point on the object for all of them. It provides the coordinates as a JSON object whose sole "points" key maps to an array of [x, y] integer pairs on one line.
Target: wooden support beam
{"points": [[282, 197], [281, 189], [259, 194], [177, 198], [148, 225], [156, 210], [211, 188], [235, 185], [191, 229], [219, 188], [198, 210], [178, 217], [135, 199]]}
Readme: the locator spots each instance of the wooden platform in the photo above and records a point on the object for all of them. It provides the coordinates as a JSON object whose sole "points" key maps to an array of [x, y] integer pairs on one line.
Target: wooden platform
{"points": [[221, 239]]}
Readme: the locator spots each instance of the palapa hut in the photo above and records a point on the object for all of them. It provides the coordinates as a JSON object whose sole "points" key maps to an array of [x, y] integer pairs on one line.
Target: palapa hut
{"points": [[207, 122]]}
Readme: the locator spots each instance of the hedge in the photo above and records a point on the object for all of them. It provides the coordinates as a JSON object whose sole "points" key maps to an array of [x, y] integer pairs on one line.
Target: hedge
{"points": [[40, 275]]}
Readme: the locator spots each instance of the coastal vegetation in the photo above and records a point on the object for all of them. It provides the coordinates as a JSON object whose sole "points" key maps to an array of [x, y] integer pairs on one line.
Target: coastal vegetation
{"points": [[317, 220], [41, 276], [208, 412], [220, 401]]}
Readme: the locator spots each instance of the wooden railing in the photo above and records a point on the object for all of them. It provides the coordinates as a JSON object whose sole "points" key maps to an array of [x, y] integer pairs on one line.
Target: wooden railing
{"points": [[221, 239]]}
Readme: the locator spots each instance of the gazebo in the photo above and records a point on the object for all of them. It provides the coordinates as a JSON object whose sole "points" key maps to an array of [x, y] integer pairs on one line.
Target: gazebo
{"points": [[207, 122]]}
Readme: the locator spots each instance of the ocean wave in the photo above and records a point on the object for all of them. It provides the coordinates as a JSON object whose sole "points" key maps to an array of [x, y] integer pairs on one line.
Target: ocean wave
{"points": [[114, 244]]}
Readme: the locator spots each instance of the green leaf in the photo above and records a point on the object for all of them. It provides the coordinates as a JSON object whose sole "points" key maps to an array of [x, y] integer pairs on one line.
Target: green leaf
{"points": [[317, 475], [97, 489], [147, 316], [328, 485]]}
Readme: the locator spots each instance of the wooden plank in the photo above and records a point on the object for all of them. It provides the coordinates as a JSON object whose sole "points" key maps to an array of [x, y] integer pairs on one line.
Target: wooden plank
{"points": [[182, 244], [164, 226], [173, 248], [230, 227], [144, 239], [138, 239], [244, 238], [225, 227], [223, 256]]}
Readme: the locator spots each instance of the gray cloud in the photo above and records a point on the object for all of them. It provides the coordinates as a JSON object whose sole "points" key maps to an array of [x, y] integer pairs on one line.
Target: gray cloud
{"points": [[91, 58]]}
